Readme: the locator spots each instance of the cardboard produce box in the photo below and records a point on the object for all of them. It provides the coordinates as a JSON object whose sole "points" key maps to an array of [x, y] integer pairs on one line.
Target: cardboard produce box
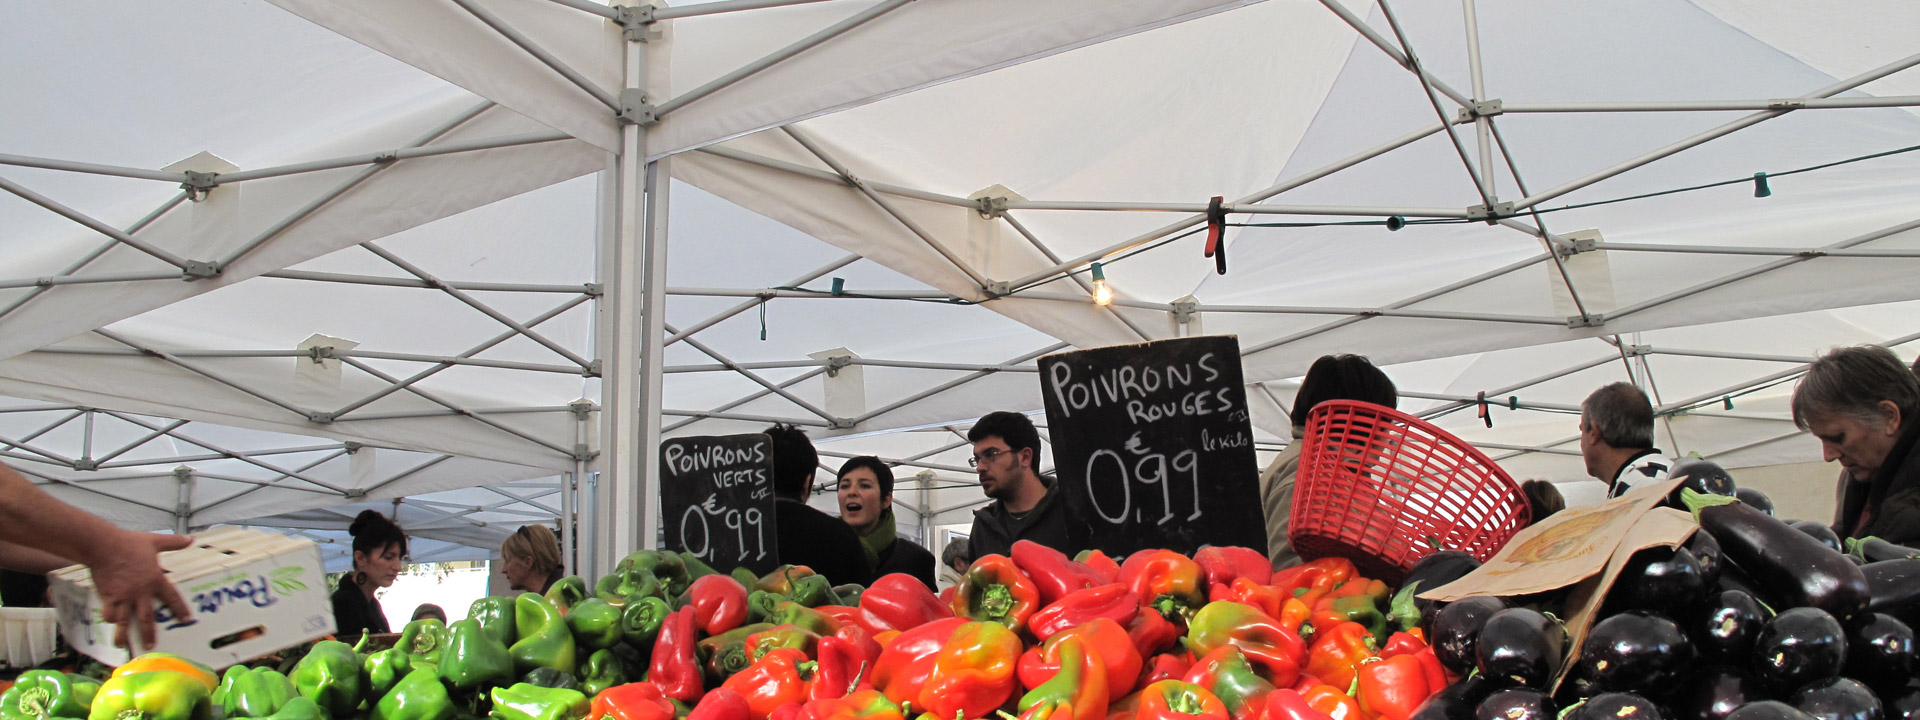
{"points": [[251, 592]]}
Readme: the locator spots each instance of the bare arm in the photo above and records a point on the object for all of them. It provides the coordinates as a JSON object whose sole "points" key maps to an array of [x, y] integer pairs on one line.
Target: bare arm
{"points": [[26, 559], [125, 564]]}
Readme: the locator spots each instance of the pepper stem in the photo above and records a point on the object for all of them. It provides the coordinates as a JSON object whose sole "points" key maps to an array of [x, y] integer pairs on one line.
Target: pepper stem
{"points": [[997, 601], [34, 702], [1184, 702], [130, 714]]}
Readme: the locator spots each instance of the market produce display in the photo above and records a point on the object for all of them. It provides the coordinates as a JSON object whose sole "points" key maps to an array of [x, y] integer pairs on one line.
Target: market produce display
{"points": [[1751, 619]]}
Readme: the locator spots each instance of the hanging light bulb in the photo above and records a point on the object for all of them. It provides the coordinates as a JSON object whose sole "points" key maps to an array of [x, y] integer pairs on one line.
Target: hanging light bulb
{"points": [[1102, 295]]}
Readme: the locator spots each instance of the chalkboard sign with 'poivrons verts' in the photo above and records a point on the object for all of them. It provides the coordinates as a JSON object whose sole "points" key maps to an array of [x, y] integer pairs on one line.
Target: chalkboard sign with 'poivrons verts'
{"points": [[1153, 445], [716, 500]]}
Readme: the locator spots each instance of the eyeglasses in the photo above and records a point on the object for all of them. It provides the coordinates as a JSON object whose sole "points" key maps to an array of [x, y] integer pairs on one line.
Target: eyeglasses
{"points": [[987, 457]]}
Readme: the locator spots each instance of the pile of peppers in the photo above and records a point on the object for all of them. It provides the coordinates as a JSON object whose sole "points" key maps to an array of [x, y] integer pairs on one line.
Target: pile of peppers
{"points": [[1032, 636]]}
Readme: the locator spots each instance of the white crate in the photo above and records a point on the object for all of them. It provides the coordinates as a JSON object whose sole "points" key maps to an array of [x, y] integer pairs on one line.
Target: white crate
{"points": [[26, 636], [236, 581]]}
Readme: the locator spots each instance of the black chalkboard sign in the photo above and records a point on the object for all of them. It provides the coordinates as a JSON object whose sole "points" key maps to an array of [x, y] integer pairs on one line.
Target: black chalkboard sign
{"points": [[716, 500], [1153, 445]]}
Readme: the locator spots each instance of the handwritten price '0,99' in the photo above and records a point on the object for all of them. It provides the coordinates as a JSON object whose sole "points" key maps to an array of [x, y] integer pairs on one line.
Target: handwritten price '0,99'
{"points": [[735, 520], [1147, 469]]}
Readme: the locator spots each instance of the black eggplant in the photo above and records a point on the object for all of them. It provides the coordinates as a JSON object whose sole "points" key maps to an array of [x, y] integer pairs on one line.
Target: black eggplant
{"points": [[1777, 556], [1873, 549], [1456, 631], [1879, 651], [1458, 701], [1755, 499], [1800, 646], [1903, 704], [1703, 476], [1522, 646], [1839, 699], [1707, 551], [1724, 627], [1634, 652], [1768, 710], [1658, 579], [1714, 693], [1615, 706], [1434, 570], [1820, 532], [1893, 588], [1520, 703]]}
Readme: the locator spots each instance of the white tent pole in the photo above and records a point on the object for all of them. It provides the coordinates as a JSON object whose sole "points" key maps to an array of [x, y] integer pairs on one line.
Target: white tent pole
{"points": [[386, 156], [689, 330], [90, 168], [567, 564], [755, 377], [539, 53], [681, 11], [898, 216], [1241, 208], [653, 335], [803, 45], [385, 281], [1422, 297], [1802, 252], [1753, 271], [768, 294], [803, 377], [190, 367], [619, 329], [95, 225], [142, 440], [403, 475], [1554, 244], [343, 410], [95, 255], [1721, 131], [824, 176], [1482, 129], [769, 419], [1085, 286], [456, 408], [591, 7], [1374, 37], [1321, 310], [1524, 384], [56, 280], [453, 411], [1800, 103], [957, 382], [341, 354], [1480, 185], [1309, 177], [582, 521], [475, 303]]}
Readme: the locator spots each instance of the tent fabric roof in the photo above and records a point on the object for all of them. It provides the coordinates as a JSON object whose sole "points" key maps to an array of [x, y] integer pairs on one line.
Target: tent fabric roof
{"points": [[409, 179]]}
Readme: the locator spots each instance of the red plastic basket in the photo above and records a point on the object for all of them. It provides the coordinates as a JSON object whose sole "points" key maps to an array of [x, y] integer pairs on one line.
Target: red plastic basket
{"points": [[1379, 486]]}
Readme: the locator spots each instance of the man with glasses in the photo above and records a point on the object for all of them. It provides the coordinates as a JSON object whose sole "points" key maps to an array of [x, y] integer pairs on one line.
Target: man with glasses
{"points": [[1006, 454]]}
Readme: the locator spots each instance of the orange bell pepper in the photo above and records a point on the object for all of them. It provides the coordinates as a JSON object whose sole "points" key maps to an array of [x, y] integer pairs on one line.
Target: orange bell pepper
{"points": [[1393, 688], [1275, 651], [1080, 685], [1104, 638], [994, 590], [1338, 651], [858, 705], [168, 661], [632, 701], [1179, 700], [973, 674], [1166, 581], [1101, 564], [776, 679], [1266, 598], [1315, 579], [1333, 702], [907, 660]]}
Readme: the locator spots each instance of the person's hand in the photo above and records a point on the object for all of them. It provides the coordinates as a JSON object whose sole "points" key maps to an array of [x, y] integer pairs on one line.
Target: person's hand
{"points": [[127, 575]]}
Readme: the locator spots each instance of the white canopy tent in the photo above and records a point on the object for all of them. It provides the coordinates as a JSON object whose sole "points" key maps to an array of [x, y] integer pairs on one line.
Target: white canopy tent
{"points": [[431, 230]]}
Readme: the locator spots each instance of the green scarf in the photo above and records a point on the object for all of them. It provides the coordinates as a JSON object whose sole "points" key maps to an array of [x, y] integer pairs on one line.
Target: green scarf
{"points": [[879, 538]]}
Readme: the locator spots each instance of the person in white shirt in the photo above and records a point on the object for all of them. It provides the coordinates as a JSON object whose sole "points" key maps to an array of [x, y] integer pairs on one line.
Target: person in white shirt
{"points": [[1616, 439]]}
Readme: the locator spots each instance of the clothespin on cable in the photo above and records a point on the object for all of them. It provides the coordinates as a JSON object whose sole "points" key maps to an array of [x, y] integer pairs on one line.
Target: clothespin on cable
{"points": [[1217, 234], [1486, 416]]}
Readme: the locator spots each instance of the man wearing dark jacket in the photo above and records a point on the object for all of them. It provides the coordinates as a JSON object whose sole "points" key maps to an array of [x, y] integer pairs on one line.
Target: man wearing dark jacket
{"points": [[1863, 404], [807, 536], [1006, 454]]}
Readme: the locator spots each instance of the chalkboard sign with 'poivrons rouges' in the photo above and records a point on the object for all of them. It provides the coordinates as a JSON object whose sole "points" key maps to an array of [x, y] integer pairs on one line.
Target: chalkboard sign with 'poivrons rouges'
{"points": [[1153, 445], [716, 500]]}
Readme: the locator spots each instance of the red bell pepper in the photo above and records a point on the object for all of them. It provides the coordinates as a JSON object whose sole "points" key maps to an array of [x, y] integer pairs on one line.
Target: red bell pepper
{"points": [[1328, 700], [845, 615], [789, 711], [632, 701], [1289, 704], [906, 662], [1112, 601], [994, 590], [1052, 572], [1393, 688], [1178, 700], [899, 602], [1338, 651], [1275, 650], [1264, 598], [1100, 564], [859, 705], [1125, 709], [1152, 633], [1080, 683], [719, 603], [721, 704], [1311, 581], [1104, 638], [1049, 710], [1166, 581], [1408, 643], [1223, 564], [675, 667], [973, 672], [776, 679], [787, 612], [1168, 666], [1226, 673], [842, 669]]}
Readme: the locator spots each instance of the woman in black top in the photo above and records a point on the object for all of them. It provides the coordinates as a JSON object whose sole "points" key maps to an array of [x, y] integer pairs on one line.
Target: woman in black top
{"points": [[531, 559], [866, 504], [379, 551]]}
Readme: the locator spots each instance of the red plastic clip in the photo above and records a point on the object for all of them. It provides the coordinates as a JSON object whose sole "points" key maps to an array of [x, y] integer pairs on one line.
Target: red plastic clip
{"points": [[1485, 416], [1217, 234]]}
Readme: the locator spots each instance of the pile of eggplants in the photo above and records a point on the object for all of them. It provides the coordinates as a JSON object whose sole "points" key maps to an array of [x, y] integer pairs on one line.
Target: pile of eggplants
{"points": [[1753, 618]]}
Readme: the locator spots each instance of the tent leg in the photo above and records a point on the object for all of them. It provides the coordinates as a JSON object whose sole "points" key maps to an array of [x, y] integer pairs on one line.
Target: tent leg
{"points": [[653, 335], [566, 524]]}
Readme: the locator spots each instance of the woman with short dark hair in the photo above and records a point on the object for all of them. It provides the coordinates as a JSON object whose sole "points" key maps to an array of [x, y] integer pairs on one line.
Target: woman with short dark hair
{"points": [[866, 504], [379, 552], [1861, 402]]}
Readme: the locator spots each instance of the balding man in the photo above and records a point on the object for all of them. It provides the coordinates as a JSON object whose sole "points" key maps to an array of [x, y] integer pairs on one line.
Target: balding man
{"points": [[1616, 439]]}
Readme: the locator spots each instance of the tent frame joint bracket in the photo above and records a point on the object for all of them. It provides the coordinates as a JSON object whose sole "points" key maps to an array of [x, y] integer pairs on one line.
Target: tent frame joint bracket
{"points": [[320, 418], [1587, 321], [841, 423], [581, 408], [592, 369], [594, 290], [352, 447], [199, 270], [198, 184], [1481, 213], [635, 110], [354, 494], [1480, 109], [86, 465], [836, 363], [1184, 310], [991, 207], [998, 289], [636, 20], [582, 454], [1574, 246]]}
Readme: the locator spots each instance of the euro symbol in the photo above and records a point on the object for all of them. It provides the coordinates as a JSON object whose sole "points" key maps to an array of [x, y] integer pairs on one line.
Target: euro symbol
{"points": [[1133, 445]]}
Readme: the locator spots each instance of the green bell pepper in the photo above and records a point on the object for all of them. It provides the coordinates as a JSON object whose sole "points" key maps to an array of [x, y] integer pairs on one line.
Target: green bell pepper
{"points": [[252, 692], [849, 593], [787, 612], [726, 653], [602, 670], [531, 702], [474, 657], [640, 621], [813, 591], [551, 678], [760, 605], [330, 676], [495, 614], [621, 588], [595, 624], [385, 669], [666, 566], [155, 695], [696, 568], [419, 696], [545, 640], [297, 708], [745, 577], [424, 640], [567, 592], [40, 694]]}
